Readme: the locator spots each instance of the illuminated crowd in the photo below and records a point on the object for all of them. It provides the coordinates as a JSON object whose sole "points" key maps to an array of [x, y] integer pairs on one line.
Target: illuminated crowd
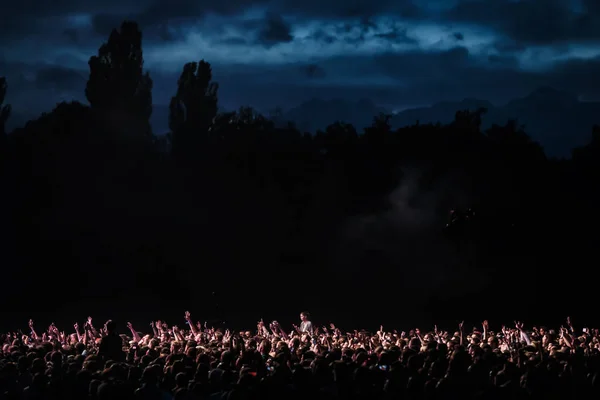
{"points": [[197, 361]]}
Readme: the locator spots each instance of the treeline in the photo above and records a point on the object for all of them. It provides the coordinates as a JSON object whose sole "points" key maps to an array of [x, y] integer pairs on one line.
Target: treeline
{"points": [[94, 204]]}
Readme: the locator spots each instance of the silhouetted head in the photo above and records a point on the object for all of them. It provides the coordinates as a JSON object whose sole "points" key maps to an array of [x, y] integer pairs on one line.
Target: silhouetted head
{"points": [[110, 326]]}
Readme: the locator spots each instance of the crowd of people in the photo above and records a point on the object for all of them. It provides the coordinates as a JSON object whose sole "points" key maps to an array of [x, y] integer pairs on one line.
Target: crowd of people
{"points": [[307, 362]]}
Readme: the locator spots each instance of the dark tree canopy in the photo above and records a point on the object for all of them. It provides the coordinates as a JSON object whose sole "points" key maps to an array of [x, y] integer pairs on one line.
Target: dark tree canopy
{"points": [[117, 80], [193, 108], [346, 209], [4, 108]]}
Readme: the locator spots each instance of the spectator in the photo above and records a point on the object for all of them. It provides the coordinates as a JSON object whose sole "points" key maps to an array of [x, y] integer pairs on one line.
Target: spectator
{"points": [[270, 363], [111, 345]]}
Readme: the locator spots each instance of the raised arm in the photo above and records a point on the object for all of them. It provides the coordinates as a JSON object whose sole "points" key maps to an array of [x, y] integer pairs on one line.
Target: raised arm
{"points": [[188, 319], [92, 330], [523, 335], [486, 327], [34, 335], [134, 334], [76, 326]]}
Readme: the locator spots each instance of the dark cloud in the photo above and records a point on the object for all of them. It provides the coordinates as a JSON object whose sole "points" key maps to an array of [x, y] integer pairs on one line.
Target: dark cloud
{"points": [[54, 76], [14, 28], [103, 24], [275, 31], [235, 41], [161, 11], [340, 9], [532, 21], [509, 46], [319, 35], [314, 71], [503, 60], [34, 89], [71, 34], [25, 18], [403, 80], [164, 10], [420, 65], [167, 33], [420, 76], [357, 32], [396, 35]]}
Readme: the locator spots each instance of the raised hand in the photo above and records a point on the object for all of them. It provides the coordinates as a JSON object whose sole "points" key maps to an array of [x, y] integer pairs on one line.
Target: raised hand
{"points": [[519, 325], [129, 325], [89, 320], [563, 331], [461, 325], [187, 316], [485, 324], [31, 323], [76, 326]]}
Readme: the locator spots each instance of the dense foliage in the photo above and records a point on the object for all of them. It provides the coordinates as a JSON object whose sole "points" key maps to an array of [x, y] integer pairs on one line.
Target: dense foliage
{"points": [[94, 204]]}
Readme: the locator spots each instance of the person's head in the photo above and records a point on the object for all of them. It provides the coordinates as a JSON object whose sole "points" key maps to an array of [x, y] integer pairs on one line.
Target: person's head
{"points": [[304, 316], [110, 326]]}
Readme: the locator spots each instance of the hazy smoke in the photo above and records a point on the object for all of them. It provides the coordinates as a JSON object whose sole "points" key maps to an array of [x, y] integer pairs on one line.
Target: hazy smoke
{"points": [[407, 241]]}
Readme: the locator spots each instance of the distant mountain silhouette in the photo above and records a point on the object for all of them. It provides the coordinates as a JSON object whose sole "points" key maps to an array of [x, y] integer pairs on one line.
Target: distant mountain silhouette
{"points": [[318, 114], [443, 112], [554, 118]]}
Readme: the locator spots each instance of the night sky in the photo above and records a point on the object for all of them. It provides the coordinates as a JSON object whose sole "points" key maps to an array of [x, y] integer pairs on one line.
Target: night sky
{"points": [[398, 53]]}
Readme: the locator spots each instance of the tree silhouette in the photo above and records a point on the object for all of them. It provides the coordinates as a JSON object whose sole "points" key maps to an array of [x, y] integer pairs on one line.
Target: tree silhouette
{"points": [[260, 192], [4, 108], [117, 81], [193, 108], [4, 114]]}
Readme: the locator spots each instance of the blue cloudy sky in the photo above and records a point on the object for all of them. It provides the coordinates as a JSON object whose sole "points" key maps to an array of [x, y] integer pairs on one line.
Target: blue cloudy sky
{"points": [[267, 53]]}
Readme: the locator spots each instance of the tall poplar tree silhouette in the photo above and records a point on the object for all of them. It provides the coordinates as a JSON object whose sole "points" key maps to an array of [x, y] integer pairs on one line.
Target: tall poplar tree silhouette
{"points": [[117, 80], [194, 106]]}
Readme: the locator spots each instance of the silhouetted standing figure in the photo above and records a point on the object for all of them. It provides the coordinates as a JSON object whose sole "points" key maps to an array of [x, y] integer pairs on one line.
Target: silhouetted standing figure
{"points": [[111, 346]]}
